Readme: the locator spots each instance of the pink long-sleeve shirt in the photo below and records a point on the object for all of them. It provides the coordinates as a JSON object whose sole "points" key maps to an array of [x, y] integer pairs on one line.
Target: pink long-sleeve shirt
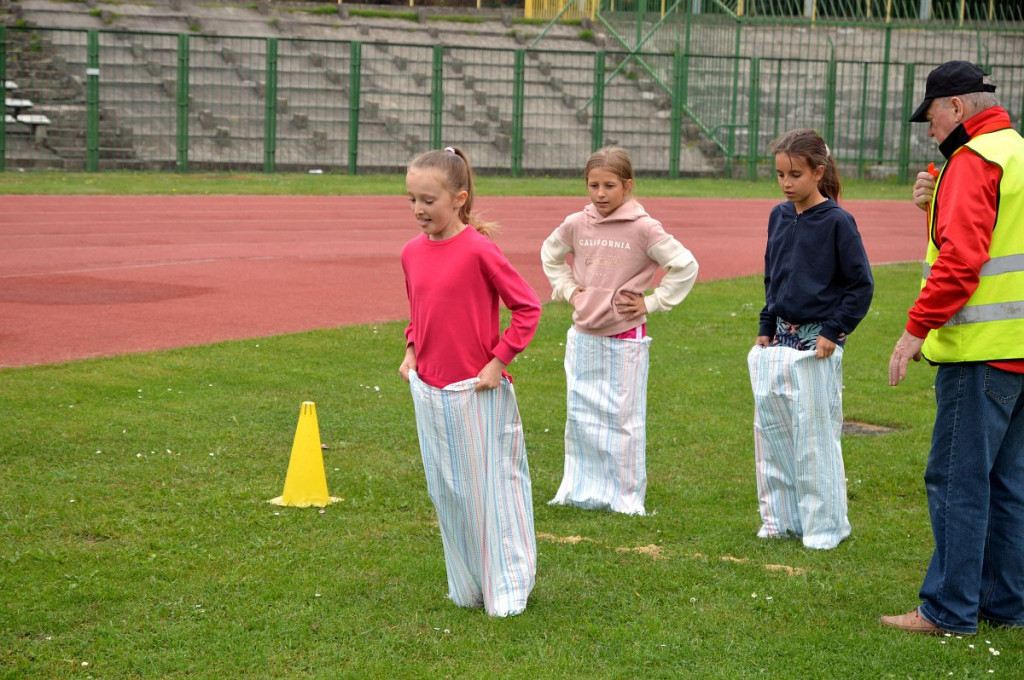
{"points": [[454, 288]]}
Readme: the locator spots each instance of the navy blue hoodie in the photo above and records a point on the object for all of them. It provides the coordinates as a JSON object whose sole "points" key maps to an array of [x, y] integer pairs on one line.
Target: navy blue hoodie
{"points": [[815, 270]]}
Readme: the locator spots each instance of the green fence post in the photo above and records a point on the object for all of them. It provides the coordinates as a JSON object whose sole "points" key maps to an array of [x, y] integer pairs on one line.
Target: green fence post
{"points": [[908, 107], [597, 112], [181, 142], [777, 111], [354, 76], [883, 104], [865, 72], [730, 151], [3, 79], [830, 100], [641, 7], [678, 95], [1021, 109], [270, 108], [518, 97], [436, 97], [685, 81], [92, 102], [754, 118]]}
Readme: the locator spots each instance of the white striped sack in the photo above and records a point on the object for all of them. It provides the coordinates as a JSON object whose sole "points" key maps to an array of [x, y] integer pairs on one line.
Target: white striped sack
{"points": [[606, 423], [798, 424], [474, 457]]}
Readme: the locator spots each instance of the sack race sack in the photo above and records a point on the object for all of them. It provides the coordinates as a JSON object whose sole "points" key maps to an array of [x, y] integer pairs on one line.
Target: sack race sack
{"points": [[798, 422], [474, 457], [606, 423]]}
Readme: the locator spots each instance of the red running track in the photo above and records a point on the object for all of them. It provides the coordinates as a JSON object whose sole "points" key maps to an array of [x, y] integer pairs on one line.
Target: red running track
{"points": [[89, 276]]}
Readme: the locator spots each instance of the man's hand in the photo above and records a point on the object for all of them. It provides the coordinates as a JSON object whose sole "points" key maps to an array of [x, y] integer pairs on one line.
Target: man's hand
{"points": [[908, 347], [924, 188]]}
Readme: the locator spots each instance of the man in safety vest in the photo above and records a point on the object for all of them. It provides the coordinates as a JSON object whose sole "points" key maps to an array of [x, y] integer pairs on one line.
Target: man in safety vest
{"points": [[969, 320]]}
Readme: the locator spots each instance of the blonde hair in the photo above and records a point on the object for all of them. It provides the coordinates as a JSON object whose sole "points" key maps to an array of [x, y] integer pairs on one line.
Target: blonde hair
{"points": [[808, 145], [612, 158], [457, 175]]}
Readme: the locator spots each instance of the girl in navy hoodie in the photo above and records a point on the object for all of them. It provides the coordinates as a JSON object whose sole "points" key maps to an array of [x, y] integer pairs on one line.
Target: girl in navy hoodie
{"points": [[818, 287]]}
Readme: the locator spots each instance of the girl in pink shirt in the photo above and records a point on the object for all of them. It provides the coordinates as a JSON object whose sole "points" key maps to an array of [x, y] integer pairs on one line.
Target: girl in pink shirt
{"points": [[616, 250], [471, 437]]}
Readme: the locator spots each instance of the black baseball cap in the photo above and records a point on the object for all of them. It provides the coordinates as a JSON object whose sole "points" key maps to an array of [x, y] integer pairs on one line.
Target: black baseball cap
{"points": [[950, 79]]}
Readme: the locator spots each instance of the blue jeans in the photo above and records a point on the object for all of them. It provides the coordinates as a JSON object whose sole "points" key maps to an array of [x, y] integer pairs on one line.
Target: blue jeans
{"points": [[975, 483]]}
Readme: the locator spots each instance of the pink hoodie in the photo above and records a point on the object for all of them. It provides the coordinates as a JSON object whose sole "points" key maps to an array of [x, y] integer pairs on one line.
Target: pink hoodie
{"points": [[620, 252]]}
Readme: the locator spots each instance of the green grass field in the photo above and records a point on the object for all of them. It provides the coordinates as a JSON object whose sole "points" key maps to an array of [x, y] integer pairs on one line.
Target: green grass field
{"points": [[138, 183], [137, 540]]}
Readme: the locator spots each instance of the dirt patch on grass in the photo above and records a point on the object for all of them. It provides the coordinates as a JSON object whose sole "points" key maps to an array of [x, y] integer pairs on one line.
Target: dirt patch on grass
{"points": [[852, 427]]}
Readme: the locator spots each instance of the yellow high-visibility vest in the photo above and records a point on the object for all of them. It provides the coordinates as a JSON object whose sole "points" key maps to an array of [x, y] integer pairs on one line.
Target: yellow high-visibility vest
{"points": [[990, 326]]}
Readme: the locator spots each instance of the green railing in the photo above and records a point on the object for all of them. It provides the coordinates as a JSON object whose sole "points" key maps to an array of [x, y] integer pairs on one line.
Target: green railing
{"points": [[704, 94], [754, 69]]}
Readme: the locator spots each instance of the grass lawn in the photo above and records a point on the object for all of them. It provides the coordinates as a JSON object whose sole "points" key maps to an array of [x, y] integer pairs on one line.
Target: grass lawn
{"points": [[137, 541], [138, 183]]}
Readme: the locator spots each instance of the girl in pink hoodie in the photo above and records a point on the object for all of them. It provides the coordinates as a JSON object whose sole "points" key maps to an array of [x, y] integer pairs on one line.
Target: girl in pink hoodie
{"points": [[616, 249]]}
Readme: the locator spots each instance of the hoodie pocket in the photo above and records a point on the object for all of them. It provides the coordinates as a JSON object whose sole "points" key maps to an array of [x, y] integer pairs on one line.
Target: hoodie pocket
{"points": [[594, 309]]}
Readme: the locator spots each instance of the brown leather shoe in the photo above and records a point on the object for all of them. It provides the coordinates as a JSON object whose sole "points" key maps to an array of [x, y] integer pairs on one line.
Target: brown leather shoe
{"points": [[912, 622]]}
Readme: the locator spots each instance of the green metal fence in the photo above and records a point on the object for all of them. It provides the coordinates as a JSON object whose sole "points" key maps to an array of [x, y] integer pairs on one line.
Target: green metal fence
{"points": [[688, 87], [851, 69]]}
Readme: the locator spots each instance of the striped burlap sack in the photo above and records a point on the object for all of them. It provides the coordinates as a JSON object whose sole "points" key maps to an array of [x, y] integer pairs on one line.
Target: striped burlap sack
{"points": [[798, 423], [606, 423], [478, 478]]}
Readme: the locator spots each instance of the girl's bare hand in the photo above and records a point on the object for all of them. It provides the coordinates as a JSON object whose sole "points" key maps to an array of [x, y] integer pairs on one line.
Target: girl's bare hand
{"points": [[823, 348], [631, 305], [408, 364], [490, 375]]}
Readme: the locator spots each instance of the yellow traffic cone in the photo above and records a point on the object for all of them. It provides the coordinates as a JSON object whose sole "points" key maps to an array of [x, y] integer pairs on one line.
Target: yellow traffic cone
{"points": [[306, 483]]}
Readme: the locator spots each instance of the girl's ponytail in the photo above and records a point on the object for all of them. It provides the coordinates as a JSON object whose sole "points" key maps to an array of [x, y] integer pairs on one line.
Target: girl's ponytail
{"points": [[830, 185]]}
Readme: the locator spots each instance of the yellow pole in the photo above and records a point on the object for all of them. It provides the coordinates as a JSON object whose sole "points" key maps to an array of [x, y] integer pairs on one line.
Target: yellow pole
{"points": [[739, 8]]}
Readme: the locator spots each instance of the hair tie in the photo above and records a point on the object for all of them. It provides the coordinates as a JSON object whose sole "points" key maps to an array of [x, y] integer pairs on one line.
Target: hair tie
{"points": [[450, 150], [828, 152]]}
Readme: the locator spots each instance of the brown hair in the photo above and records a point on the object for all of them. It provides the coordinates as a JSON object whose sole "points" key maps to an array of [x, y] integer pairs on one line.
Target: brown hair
{"points": [[457, 175], [613, 158], [808, 145]]}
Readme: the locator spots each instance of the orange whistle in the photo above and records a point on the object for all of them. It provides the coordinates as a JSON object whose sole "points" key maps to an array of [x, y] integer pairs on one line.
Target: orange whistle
{"points": [[932, 171]]}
